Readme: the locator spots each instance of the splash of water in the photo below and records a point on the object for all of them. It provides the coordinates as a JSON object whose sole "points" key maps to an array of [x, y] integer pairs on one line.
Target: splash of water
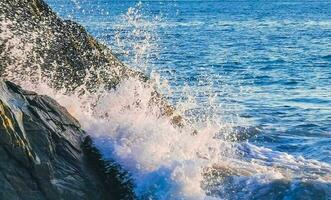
{"points": [[136, 38], [170, 163], [167, 162]]}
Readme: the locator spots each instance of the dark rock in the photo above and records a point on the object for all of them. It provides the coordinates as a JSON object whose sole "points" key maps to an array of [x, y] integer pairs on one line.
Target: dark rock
{"points": [[61, 51], [110, 173], [60, 48], [42, 154]]}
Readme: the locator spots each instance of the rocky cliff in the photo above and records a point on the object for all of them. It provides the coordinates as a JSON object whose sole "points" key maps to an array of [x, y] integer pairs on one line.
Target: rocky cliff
{"points": [[44, 154]]}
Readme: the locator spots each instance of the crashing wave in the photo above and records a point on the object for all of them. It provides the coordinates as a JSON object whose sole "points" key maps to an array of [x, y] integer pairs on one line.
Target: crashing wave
{"points": [[134, 126]]}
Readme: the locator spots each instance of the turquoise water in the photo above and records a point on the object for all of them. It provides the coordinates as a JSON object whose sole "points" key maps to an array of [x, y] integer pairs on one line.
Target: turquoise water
{"points": [[264, 67]]}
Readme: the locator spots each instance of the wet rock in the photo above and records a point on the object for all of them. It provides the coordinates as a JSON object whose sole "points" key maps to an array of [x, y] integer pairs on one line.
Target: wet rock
{"points": [[42, 154], [34, 37], [36, 44]]}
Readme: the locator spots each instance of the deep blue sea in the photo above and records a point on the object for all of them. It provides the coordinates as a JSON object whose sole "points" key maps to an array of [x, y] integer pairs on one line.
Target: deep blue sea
{"points": [[262, 66]]}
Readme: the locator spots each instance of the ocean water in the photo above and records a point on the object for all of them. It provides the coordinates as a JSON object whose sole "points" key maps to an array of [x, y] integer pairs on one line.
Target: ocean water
{"points": [[253, 77]]}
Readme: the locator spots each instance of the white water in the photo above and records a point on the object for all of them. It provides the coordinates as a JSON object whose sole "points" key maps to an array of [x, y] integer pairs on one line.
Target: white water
{"points": [[165, 162], [169, 163]]}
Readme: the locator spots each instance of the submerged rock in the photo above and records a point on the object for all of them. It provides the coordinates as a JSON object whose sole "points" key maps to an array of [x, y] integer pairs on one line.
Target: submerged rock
{"points": [[44, 154]]}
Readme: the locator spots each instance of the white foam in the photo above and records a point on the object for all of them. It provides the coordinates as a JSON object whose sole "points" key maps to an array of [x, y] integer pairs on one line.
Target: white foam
{"points": [[165, 162]]}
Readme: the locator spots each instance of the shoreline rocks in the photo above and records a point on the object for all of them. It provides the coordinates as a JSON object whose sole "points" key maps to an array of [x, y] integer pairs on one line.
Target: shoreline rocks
{"points": [[44, 154], [36, 44]]}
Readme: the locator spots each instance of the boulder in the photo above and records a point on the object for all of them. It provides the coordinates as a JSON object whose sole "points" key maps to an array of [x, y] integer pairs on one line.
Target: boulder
{"points": [[36, 44], [44, 153], [34, 39]]}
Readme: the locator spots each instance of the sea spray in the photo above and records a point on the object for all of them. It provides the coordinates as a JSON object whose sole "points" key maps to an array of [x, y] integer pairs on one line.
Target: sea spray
{"points": [[136, 38], [170, 163], [165, 161]]}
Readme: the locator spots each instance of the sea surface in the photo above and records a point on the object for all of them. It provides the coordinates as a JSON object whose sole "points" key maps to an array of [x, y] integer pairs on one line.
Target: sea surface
{"points": [[258, 71]]}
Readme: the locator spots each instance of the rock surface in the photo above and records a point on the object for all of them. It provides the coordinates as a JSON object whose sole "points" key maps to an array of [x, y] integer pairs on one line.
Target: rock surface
{"points": [[33, 37], [44, 154], [40, 148], [36, 44]]}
